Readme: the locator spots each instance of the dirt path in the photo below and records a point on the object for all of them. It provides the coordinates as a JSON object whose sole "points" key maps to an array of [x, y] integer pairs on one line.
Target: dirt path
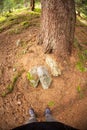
{"points": [[67, 104]]}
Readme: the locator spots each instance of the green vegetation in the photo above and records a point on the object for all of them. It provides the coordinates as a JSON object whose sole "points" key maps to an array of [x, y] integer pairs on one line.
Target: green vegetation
{"points": [[80, 92], [51, 103], [10, 87], [29, 76], [81, 7], [82, 56], [78, 89], [80, 66], [12, 5], [16, 22]]}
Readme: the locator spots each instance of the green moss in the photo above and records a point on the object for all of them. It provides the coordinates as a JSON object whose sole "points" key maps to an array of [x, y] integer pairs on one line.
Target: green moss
{"points": [[25, 24], [21, 20], [82, 56], [10, 87], [80, 92], [2, 19], [29, 76], [80, 66], [15, 31], [38, 10], [4, 94], [78, 89]]}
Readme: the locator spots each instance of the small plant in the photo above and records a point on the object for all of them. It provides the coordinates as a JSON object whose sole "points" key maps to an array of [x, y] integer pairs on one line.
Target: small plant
{"points": [[82, 60], [25, 24], [80, 92], [10, 87], [29, 76], [4, 94], [78, 89], [80, 66], [51, 103]]}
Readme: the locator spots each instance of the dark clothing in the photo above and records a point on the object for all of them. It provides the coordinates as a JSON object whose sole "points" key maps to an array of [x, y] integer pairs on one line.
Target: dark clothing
{"points": [[45, 126]]}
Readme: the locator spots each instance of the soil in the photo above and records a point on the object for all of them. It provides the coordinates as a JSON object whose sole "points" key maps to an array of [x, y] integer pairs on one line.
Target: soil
{"points": [[67, 104]]}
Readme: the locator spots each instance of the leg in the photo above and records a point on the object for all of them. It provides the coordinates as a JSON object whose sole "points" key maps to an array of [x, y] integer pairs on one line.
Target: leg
{"points": [[32, 116], [48, 116], [32, 119]]}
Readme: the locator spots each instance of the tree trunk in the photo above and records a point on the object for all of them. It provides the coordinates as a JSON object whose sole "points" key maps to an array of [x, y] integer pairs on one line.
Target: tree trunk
{"points": [[57, 26], [32, 5]]}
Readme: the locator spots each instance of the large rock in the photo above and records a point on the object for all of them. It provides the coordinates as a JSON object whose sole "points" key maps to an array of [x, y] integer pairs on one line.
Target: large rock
{"points": [[53, 66], [33, 77], [44, 77]]}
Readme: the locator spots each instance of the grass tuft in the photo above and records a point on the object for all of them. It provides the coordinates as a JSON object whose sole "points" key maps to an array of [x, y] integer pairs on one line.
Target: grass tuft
{"points": [[10, 87]]}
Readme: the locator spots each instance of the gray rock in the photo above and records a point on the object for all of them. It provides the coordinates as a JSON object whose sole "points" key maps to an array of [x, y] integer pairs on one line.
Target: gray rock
{"points": [[53, 66], [44, 77], [33, 77]]}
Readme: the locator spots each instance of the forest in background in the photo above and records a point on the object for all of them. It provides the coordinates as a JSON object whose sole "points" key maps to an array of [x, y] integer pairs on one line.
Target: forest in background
{"points": [[11, 5]]}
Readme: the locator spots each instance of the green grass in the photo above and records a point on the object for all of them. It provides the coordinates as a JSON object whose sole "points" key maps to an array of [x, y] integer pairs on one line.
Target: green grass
{"points": [[11, 86], [19, 20], [82, 56], [80, 92], [51, 103], [78, 88], [81, 21], [82, 60], [80, 67]]}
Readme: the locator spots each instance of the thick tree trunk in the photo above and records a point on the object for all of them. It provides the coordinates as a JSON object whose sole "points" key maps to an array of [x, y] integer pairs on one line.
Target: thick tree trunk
{"points": [[57, 26], [32, 5]]}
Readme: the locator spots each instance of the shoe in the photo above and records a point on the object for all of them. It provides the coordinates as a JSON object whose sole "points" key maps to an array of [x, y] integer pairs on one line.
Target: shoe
{"points": [[31, 112], [47, 111]]}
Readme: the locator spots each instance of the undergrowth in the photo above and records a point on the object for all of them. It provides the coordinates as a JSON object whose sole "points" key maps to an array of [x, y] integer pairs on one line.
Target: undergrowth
{"points": [[11, 86], [18, 21], [82, 57]]}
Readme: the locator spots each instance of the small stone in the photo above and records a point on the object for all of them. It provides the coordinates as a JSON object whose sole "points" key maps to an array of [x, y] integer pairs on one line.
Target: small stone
{"points": [[24, 51], [44, 77], [19, 102], [53, 66], [14, 69], [18, 42], [33, 77]]}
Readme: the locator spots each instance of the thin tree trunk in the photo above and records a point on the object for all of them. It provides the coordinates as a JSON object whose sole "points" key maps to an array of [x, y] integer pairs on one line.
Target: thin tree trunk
{"points": [[57, 26], [32, 5]]}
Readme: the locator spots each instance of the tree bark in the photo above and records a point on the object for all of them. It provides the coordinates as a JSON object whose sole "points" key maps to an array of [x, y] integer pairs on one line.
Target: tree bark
{"points": [[32, 5], [57, 26]]}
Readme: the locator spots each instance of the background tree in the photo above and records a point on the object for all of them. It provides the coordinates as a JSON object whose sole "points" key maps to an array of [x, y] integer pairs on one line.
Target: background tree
{"points": [[57, 26], [1, 5], [32, 5]]}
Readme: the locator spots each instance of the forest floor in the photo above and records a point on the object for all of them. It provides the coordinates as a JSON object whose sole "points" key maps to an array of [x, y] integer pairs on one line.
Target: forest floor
{"points": [[19, 52]]}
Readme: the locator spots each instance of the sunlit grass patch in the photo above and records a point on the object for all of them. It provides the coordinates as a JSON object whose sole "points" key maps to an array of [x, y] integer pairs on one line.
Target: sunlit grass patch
{"points": [[22, 19], [81, 22]]}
